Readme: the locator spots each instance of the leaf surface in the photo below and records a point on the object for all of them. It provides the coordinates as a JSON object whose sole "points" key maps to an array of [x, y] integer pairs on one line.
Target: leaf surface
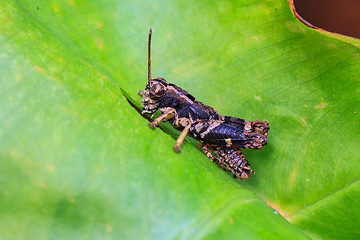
{"points": [[77, 161]]}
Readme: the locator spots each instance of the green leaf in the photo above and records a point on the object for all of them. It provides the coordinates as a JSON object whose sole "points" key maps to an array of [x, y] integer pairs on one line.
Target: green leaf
{"points": [[77, 161]]}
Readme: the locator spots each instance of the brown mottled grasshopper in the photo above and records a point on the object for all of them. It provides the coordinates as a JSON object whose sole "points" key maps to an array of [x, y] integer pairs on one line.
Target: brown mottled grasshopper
{"points": [[222, 135]]}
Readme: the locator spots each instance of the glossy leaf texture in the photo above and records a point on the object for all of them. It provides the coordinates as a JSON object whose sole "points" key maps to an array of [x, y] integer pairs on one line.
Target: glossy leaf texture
{"points": [[78, 162]]}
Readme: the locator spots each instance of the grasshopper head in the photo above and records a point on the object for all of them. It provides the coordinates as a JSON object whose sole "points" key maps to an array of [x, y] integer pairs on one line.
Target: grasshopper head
{"points": [[154, 91]]}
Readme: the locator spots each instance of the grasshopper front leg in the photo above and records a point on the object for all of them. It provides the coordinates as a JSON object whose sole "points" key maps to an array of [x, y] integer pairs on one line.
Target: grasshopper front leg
{"points": [[163, 118], [186, 123]]}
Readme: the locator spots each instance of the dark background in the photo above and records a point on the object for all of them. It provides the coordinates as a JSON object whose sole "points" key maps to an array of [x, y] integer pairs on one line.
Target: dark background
{"points": [[340, 16]]}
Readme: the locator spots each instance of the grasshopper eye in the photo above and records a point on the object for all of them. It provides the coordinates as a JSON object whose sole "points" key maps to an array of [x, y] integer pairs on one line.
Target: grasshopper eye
{"points": [[157, 90]]}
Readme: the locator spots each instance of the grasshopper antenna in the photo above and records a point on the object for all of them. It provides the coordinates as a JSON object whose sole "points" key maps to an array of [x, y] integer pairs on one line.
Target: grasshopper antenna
{"points": [[149, 56]]}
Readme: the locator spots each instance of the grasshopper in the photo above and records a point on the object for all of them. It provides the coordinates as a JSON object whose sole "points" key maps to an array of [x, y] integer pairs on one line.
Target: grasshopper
{"points": [[222, 135]]}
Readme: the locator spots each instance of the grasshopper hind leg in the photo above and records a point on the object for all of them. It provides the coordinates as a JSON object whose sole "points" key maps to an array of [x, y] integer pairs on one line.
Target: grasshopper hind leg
{"points": [[231, 160], [260, 127]]}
